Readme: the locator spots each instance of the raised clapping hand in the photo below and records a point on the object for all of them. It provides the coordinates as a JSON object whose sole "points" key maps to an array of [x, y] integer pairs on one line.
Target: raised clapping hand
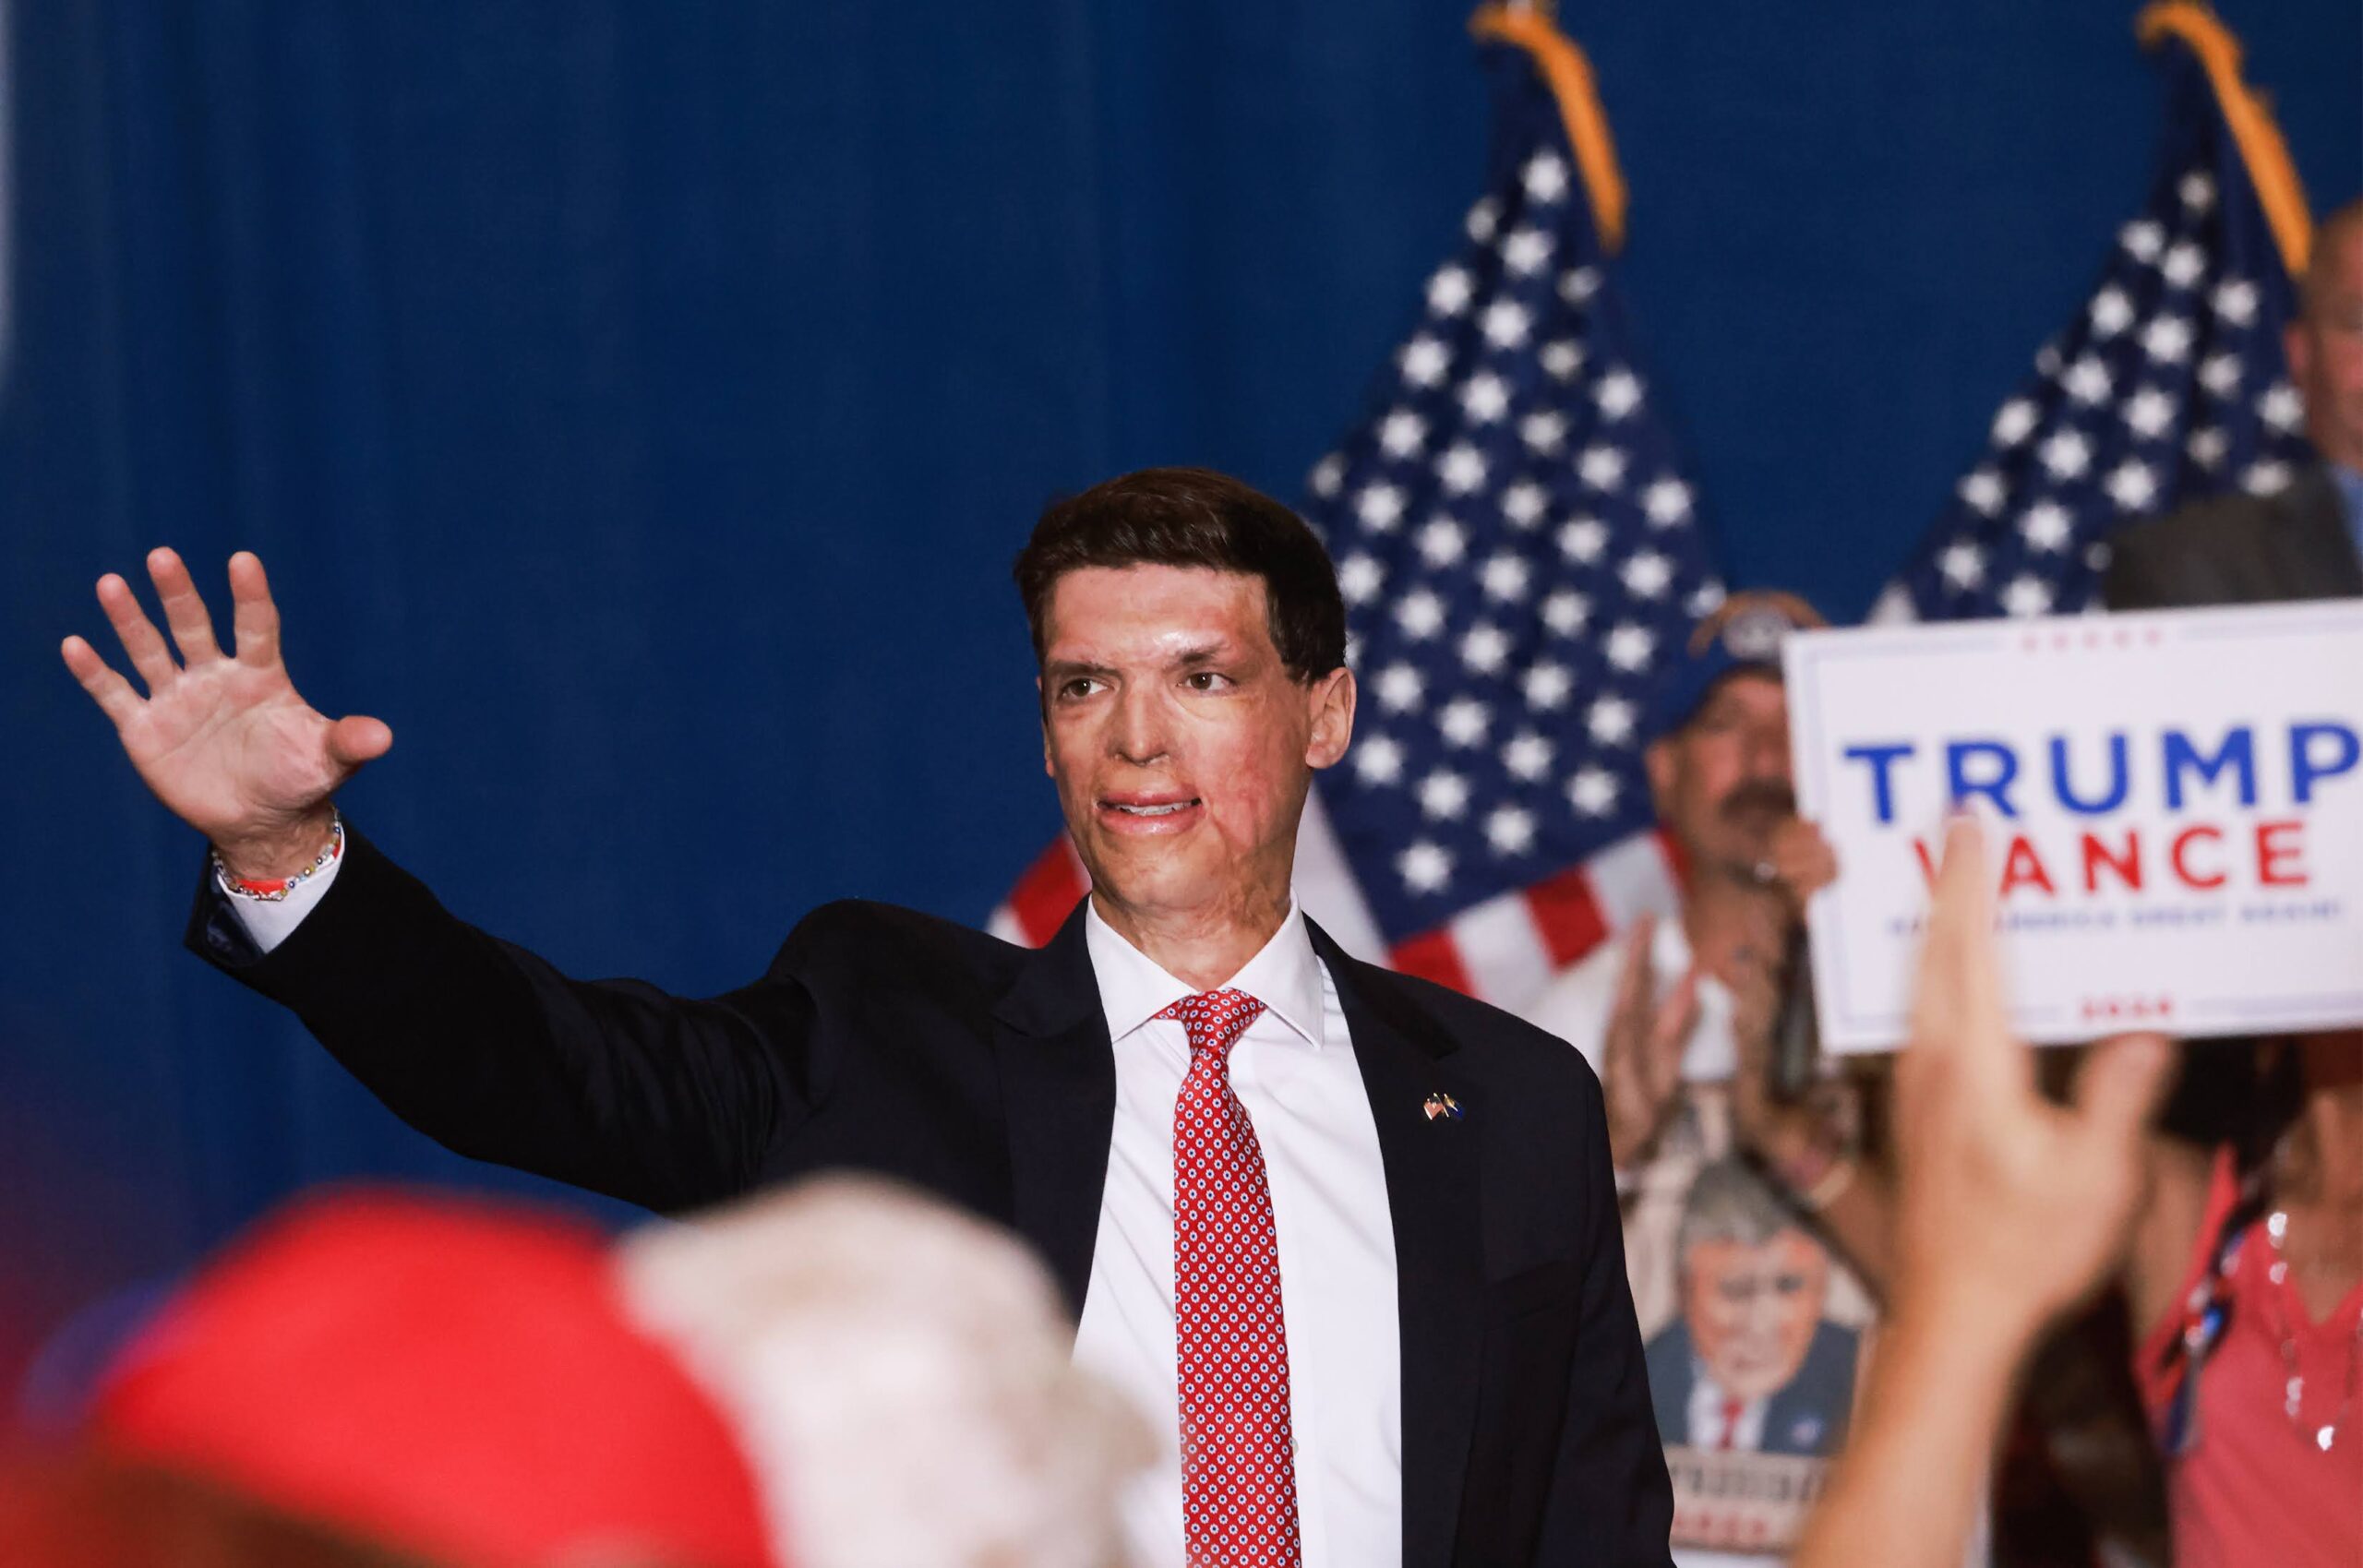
{"points": [[1640, 1062], [225, 741]]}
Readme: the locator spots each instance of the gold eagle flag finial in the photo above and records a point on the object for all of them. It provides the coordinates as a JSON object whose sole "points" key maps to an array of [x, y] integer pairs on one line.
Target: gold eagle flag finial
{"points": [[2253, 130], [1570, 76]]}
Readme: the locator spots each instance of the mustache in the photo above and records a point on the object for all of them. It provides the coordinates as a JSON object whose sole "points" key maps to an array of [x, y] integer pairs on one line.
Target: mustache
{"points": [[1761, 797]]}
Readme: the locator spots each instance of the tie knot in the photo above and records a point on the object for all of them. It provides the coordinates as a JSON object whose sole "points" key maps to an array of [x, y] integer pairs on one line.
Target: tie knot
{"points": [[1215, 1019]]}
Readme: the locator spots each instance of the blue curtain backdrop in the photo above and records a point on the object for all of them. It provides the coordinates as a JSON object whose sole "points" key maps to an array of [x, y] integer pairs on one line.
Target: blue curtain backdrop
{"points": [[638, 406]]}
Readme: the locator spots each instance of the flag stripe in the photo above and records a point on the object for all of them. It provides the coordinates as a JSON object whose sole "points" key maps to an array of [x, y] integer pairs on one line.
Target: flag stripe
{"points": [[1502, 950], [1567, 916], [1634, 876], [1043, 897], [1432, 956]]}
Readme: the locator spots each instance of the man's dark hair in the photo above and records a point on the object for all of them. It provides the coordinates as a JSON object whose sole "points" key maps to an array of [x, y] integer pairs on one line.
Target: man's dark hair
{"points": [[1193, 517]]}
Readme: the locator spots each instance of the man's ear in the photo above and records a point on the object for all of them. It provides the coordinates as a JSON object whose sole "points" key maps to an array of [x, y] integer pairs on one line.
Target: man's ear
{"points": [[1660, 764], [2298, 348], [1332, 700], [1043, 711]]}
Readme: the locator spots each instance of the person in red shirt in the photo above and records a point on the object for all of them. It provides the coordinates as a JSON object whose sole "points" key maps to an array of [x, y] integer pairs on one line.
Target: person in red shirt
{"points": [[2247, 1289]]}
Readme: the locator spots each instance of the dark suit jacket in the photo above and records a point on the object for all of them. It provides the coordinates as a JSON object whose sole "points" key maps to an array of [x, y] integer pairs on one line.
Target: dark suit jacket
{"points": [[2238, 549], [890, 1041], [1809, 1413]]}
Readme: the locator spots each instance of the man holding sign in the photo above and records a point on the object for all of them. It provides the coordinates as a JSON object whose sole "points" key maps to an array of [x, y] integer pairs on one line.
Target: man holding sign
{"points": [[1742, 1213]]}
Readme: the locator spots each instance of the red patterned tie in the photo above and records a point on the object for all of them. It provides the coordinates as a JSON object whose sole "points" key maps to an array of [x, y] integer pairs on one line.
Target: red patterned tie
{"points": [[1238, 1469]]}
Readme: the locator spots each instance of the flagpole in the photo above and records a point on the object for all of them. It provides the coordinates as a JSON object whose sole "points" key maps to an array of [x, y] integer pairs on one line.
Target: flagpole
{"points": [[1564, 66], [2259, 138]]}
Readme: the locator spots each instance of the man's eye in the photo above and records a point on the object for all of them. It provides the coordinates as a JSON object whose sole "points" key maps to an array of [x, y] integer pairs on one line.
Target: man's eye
{"points": [[1080, 686], [1206, 680]]}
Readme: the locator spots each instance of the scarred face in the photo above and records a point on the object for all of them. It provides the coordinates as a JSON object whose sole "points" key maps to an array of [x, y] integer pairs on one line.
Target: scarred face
{"points": [[1181, 746]]}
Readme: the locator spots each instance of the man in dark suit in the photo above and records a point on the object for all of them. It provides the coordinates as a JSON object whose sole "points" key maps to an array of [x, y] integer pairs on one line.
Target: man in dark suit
{"points": [[1358, 1232], [2305, 540]]}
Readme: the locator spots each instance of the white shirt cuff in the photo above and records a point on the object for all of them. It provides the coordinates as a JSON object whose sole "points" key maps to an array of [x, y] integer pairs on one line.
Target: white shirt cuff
{"points": [[270, 921]]}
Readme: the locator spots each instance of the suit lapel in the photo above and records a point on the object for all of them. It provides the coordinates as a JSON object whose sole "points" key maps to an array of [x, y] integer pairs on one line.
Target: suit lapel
{"points": [[1431, 1196], [1058, 1075], [2319, 558]]}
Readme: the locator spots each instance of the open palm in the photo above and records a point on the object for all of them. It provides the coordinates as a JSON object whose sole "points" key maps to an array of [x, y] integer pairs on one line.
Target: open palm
{"points": [[223, 740]]}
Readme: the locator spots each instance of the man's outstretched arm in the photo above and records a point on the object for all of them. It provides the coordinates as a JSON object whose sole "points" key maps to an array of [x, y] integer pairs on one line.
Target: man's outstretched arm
{"points": [[612, 1085]]}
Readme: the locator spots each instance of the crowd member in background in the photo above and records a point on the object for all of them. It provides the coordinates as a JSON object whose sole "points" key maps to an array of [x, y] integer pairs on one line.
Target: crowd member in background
{"points": [[840, 1375], [900, 1374], [92, 1509], [2009, 1210], [2245, 1285], [1741, 1299], [2304, 541], [450, 1379]]}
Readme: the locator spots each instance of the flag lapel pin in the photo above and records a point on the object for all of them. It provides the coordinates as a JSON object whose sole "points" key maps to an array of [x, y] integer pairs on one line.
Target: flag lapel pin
{"points": [[1442, 1104]]}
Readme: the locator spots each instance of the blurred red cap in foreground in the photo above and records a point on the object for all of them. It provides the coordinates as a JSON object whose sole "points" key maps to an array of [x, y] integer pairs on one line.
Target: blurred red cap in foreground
{"points": [[449, 1377]]}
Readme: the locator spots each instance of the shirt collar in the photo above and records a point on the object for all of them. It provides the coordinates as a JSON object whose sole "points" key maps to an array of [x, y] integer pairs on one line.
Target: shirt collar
{"points": [[1285, 976]]}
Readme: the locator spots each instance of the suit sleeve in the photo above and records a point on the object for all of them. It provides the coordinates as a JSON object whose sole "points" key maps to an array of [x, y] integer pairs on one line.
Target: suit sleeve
{"points": [[2181, 560], [1611, 1505], [2134, 578], [611, 1084]]}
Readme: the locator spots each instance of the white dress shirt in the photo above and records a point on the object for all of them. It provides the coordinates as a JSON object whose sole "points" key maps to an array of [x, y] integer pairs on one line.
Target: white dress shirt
{"points": [[1294, 1071], [270, 920]]}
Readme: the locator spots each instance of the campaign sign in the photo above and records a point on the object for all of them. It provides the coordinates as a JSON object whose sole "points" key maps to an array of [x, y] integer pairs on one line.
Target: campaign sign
{"points": [[2173, 802]]}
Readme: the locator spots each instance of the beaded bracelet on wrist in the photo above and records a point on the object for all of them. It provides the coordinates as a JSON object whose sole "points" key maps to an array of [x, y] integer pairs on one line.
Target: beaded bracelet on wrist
{"points": [[1833, 1186], [273, 889], [1818, 1177]]}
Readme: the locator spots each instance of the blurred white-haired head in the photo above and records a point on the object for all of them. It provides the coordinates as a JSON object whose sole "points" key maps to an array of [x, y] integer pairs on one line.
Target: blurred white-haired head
{"points": [[901, 1377]]}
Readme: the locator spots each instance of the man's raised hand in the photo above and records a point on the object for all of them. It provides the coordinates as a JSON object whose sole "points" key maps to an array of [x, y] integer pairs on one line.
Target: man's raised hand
{"points": [[223, 740]]}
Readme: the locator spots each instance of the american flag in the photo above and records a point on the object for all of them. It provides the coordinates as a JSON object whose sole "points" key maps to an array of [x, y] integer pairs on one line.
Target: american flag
{"points": [[2168, 385], [1519, 553]]}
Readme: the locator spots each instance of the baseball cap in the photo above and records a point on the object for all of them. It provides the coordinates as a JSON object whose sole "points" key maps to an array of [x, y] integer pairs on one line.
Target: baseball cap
{"points": [[1745, 632], [458, 1378]]}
